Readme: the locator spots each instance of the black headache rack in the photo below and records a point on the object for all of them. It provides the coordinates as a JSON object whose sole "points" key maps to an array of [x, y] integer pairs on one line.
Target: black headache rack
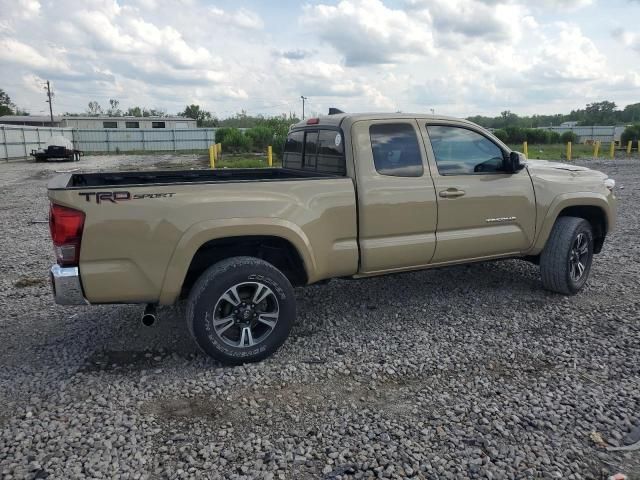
{"points": [[171, 177]]}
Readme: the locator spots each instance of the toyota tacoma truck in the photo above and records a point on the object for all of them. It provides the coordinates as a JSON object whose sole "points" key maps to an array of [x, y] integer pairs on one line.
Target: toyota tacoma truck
{"points": [[358, 195]]}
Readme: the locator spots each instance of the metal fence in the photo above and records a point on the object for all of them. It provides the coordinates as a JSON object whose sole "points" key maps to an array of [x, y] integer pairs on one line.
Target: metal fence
{"points": [[18, 141], [605, 134]]}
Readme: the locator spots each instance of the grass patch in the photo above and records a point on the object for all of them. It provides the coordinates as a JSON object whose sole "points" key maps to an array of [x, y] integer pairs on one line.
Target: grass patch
{"points": [[245, 161]]}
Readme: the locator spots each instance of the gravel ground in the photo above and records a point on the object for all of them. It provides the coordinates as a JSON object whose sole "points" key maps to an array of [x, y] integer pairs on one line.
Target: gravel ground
{"points": [[467, 372]]}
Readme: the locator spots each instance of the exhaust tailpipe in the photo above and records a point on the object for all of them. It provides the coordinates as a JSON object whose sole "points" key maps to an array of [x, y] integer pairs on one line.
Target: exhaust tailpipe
{"points": [[149, 315]]}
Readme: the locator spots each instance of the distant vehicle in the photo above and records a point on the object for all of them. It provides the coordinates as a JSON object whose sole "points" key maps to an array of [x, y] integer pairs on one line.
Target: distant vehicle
{"points": [[358, 196], [58, 148]]}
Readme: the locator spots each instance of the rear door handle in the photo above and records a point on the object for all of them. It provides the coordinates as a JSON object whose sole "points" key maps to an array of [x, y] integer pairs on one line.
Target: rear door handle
{"points": [[451, 193]]}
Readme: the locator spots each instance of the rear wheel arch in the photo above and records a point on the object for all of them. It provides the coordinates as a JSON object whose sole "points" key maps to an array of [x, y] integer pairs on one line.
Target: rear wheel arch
{"points": [[277, 251]]}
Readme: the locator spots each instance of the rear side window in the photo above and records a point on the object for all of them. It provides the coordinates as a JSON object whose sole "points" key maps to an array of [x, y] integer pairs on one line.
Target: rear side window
{"points": [[310, 150], [315, 150], [292, 156], [331, 152], [395, 150]]}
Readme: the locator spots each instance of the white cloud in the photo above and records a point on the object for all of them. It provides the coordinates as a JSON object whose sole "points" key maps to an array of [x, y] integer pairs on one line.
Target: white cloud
{"points": [[568, 55], [29, 8], [628, 39], [473, 19], [567, 4], [368, 32], [461, 57], [241, 18], [14, 51]]}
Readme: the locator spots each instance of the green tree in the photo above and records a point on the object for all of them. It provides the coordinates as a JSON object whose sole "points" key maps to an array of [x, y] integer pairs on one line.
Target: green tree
{"points": [[630, 133], [600, 113], [114, 110], [631, 113], [502, 135], [134, 112], [261, 137], [567, 137], [152, 112], [94, 109], [6, 105], [235, 141], [195, 112]]}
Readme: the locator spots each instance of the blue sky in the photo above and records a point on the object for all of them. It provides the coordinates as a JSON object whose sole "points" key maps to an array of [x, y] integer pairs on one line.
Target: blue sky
{"points": [[459, 57]]}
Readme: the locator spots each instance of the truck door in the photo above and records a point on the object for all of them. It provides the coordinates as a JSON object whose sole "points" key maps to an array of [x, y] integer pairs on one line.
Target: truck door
{"points": [[483, 211], [397, 211]]}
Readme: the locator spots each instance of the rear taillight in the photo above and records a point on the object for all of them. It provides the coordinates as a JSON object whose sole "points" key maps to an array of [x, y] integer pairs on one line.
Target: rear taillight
{"points": [[66, 226]]}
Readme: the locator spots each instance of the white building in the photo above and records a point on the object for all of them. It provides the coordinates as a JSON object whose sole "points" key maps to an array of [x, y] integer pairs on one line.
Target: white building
{"points": [[86, 122], [128, 122]]}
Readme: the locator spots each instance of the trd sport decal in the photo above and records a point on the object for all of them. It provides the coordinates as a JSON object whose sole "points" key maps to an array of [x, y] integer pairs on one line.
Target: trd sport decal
{"points": [[115, 197]]}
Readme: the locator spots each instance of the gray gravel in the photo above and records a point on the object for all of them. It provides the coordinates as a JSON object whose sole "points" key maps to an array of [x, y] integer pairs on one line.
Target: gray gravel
{"points": [[466, 372]]}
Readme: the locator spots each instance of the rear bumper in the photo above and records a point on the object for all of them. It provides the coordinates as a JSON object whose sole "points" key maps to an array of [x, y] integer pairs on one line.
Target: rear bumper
{"points": [[67, 289]]}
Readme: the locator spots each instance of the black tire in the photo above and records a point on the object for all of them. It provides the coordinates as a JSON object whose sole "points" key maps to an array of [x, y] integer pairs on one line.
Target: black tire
{"points": [[558, 266], [209, 304]]}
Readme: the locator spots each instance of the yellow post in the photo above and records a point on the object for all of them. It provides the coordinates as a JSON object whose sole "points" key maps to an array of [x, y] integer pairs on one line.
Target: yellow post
{"points": [[629, 143], [219, 148], [212, 156], [596, 149], [270, 155], [568, 151], [525, 149], [612, 150]]}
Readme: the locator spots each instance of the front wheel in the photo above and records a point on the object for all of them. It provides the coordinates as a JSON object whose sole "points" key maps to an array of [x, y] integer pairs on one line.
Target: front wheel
{"points": [[565, 262], [241, 310]]}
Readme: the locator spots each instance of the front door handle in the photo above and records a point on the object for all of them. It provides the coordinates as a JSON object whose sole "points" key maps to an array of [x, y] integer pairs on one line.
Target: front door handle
{"points": [[452, 193]]}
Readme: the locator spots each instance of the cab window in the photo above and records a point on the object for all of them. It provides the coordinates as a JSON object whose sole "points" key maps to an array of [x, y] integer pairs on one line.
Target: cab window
{"points": [[395, 150], [318, 150], [460, 151]]}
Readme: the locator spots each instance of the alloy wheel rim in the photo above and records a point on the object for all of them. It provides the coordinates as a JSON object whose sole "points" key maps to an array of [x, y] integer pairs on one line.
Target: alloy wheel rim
{"points": [[246, 314], [578, 257]]}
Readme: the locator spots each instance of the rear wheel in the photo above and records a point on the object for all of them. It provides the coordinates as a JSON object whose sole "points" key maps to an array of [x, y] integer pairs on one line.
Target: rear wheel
{"points": [[565, 262], [241, 310]]}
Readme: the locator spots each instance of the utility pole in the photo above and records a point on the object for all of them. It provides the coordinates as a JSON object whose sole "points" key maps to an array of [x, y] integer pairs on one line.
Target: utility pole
{"points": [[303, 99], [49, 95]]}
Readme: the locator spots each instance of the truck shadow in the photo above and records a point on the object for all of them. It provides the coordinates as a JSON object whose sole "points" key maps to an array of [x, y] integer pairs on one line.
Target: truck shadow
{"points": [[130, 345]]}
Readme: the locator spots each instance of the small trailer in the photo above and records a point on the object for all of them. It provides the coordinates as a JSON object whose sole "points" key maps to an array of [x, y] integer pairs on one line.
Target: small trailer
{"points": [[57, 148]]}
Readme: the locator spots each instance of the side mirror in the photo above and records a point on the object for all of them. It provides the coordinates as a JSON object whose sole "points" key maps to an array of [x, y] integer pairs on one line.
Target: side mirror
{"points": [[516, 162]]}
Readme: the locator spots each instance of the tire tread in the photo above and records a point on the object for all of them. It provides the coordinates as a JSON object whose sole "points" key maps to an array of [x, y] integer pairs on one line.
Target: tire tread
{"points": [[553, 260], [216, 271]]}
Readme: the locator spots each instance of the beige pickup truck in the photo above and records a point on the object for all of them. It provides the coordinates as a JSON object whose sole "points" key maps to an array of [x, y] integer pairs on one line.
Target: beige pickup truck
{"points": [[357, 196]]}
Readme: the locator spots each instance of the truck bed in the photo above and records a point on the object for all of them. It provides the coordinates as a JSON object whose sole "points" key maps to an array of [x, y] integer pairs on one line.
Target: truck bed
{"points": [[173, 177]]}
